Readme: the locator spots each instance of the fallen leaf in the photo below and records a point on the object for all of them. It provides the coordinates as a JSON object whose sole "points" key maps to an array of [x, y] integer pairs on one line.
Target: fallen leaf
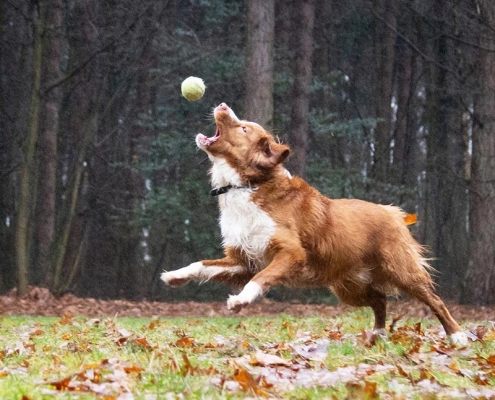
{"points": [[62, 384], [410, 219], [267, 360], [66, 319], [248, 383], [143, 343], [184, 342], [189, 369], [491, 360], [360, 391], [312, 350], [290, 330], [368, 338], [394, 322]]}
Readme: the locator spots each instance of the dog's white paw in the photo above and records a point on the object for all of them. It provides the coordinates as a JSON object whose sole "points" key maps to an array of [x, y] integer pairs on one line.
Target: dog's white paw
{"points": [[235, 303], [459, 339], [249, 294], [174, 278], [182, 276], [381, 333]]}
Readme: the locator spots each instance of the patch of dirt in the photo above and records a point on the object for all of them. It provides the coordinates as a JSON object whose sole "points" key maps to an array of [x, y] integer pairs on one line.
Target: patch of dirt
{"points": [[39, 301]]}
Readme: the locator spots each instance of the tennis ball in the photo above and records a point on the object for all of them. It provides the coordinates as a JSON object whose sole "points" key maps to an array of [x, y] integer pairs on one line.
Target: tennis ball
{"points": [[193, 88]]}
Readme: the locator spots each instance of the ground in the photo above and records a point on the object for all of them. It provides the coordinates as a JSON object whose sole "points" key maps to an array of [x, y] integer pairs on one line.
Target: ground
{"points": [[39, 301]]}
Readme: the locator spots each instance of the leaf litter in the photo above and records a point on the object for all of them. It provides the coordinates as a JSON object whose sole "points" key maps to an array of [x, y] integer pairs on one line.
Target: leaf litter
{"points": [[264, 358]]}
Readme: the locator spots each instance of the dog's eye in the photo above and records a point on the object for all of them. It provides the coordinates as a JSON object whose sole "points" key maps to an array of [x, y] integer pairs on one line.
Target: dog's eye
{"points": [[244, 129]]}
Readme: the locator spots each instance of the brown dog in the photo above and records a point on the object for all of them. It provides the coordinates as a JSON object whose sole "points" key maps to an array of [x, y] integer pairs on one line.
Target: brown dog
{"points": [[278, 230]]}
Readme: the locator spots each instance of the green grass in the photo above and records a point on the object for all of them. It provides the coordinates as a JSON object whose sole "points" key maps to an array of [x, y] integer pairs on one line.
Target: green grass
{"points": [[197, 358]]}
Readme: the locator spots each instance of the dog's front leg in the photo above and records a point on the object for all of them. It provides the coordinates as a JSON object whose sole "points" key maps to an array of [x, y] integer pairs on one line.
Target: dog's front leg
{"points": [[227, 270], [283, 269]]}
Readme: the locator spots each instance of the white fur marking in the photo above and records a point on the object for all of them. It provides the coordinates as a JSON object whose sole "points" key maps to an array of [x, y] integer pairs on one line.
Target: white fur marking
{"points": [[249, 294], [246, 226], [243, 224], [459, 339], [210, 272], [199, 272], [222, 174], [183, 274]]}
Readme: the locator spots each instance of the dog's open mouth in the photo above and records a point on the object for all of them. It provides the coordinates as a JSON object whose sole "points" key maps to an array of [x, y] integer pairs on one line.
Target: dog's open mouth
{"points": [[207, 141]]}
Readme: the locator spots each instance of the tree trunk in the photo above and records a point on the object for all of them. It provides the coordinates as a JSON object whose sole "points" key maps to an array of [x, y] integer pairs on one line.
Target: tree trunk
{"points": [[13, 93], [299, 124], [47, 181], [385, 12], [259, 62], [480, 282], [404, 166], [28, 168], [446, 198]]}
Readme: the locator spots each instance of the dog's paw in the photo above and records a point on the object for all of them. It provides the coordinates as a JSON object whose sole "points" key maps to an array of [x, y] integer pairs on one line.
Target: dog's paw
{"points": [[174, 278], [249, 294], [382, 333], [235, 303], [459, 339]]}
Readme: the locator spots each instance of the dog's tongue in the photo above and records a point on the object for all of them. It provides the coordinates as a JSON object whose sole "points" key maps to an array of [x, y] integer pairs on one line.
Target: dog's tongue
{"points": [[206, 141]]}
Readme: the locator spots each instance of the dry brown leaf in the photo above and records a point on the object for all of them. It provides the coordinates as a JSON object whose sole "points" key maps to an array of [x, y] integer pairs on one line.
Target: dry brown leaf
{"points": [[267, 360], [394, 322], [290, 330], [247, 383], [189, 369], [66, 319], [185, 342], [359, 391], [480, 378], [143, 343], [402, 372], [368, 338], [63, 384], [410, 219], [491, 360]]}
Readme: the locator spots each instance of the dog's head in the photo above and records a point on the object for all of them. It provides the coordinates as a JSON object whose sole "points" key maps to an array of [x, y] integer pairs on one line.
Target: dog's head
{"points": [[247, 148]]}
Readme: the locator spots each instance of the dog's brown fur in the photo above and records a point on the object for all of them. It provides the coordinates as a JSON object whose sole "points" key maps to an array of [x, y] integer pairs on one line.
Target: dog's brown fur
{"points": [[360, 250]]}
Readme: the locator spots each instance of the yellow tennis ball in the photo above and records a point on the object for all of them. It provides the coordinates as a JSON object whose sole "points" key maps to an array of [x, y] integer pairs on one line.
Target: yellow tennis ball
{"points": [[193, 88]]}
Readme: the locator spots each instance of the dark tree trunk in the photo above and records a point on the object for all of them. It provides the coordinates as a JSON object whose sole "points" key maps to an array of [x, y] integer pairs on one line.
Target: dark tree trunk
{"points": [[385, 12], [46, 207], [28, 167], [404, 167], [299, 124], [446, 196], [258, 106], [480, 283]]}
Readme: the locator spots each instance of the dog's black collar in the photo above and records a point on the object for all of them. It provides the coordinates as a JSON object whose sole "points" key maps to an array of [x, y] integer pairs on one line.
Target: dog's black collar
{"points": [[225, 189]]}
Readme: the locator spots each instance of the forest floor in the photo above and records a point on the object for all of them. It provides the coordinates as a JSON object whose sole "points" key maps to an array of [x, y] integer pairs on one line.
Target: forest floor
{"points": [[39, 301]]}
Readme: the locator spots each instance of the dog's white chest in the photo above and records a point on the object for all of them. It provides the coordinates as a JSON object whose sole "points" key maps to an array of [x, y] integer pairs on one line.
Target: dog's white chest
{"points": [[246, 226]]}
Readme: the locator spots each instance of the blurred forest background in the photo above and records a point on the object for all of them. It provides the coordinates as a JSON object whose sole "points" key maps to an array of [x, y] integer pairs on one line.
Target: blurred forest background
{"points": [[102, 187]]}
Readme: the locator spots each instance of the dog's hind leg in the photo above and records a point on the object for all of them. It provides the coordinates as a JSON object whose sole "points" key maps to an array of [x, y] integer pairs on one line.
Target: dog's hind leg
{"points": [[420, 286], [423, 291], [364, 295], [378, 303]]}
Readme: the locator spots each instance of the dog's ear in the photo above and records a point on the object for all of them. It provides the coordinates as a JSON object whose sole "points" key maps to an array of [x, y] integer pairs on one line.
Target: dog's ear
{"points": [[268, 153]]}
